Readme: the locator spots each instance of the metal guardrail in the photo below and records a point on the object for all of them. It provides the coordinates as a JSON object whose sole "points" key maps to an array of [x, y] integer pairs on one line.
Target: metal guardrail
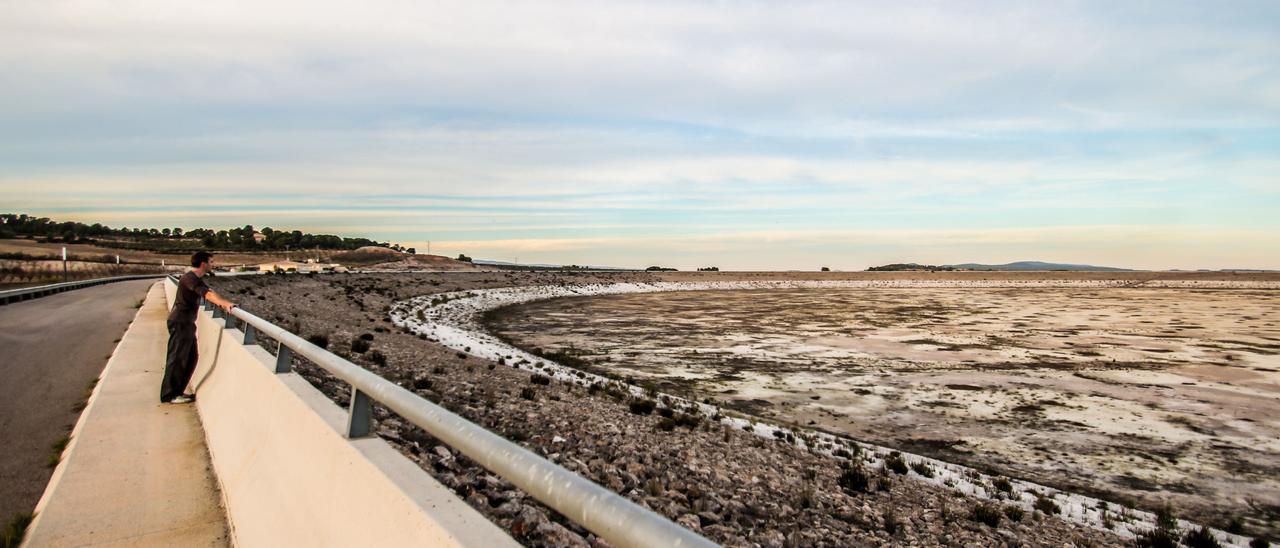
{"points": [[599, 510], [28, 293]]}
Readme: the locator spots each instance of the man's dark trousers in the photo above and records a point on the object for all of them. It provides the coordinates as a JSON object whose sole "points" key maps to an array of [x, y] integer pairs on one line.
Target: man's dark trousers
{"points": [[180, 363]]}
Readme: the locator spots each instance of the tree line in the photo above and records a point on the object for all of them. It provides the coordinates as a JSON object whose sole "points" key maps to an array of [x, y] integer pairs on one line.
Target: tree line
{"points": [[21, 225]]}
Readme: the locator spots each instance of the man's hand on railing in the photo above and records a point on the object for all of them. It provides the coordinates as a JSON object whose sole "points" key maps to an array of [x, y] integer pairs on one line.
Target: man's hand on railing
{"points": [[219, 301]]}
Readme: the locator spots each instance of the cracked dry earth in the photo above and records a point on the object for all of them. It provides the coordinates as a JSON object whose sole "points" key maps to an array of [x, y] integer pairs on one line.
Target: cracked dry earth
{"points": [[732, 487], [1145, 396]]}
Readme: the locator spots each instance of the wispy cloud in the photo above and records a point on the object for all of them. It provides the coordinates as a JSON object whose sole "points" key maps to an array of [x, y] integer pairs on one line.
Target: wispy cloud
{"points": [[553, 127]]}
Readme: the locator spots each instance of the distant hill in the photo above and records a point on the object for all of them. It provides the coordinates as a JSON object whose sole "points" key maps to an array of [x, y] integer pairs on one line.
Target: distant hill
{"points": [[1009, 267], [1038, 265], [907, 267], [543, 266]]}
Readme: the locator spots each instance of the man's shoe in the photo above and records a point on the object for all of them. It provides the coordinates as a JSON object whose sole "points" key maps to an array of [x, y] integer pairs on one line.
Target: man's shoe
{"points": [[182, 399]]}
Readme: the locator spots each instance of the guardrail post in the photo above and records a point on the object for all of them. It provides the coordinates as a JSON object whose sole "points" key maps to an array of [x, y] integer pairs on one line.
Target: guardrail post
{"points": [[250, 334], [284, 359], [360, 414]]}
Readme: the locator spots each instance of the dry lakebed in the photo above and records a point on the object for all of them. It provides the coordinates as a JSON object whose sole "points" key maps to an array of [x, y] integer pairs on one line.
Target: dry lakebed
{"points": [[1139, 389]]}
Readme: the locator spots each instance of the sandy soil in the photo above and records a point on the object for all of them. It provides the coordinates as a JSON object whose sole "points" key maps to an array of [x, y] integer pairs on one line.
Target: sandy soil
{"points": [[1140, 395]]}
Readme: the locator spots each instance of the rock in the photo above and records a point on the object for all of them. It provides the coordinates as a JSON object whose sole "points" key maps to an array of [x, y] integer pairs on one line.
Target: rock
{"points": [[690, 522], [528, 520], [554, 534], [477, 500], [508, 509], [707, 518], [772, 538]]}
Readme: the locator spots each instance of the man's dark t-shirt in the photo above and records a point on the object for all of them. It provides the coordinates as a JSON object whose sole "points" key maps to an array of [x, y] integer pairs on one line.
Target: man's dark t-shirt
{"points": [[190, 290]]}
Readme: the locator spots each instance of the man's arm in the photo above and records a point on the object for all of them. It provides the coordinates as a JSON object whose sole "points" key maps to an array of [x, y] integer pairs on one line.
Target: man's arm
{"points": [[218, 300]]}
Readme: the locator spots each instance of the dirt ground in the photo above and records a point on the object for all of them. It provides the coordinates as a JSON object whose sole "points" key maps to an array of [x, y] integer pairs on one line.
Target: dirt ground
{"points": [[1139, 395], [32, 247]]}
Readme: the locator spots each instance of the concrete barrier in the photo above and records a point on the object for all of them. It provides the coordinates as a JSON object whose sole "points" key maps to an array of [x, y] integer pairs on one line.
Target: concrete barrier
{"points": [[289, 476]]}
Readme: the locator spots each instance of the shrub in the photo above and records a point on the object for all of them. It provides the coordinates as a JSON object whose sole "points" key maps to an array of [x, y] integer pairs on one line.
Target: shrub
{"points": [[854, 479], [422, 383], [666, 412], [891, 522], [689, 421], [359, 346], [988, 514], [667, 424], [641, 407], [16, 529], [1235, 526], [1156, 538], [1259, 543], [1165, 518], [320, 340], [527, 393], [1201, 538], [808, 498], [1003, 485], [895, 463], [540, 379], [58, 447], [1046, 505], [366, 337], [378, 357], [1014, 513], [922, 468]]}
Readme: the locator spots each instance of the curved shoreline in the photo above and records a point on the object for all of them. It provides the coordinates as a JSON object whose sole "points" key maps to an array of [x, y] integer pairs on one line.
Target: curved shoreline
{"points": [[452, 319]]}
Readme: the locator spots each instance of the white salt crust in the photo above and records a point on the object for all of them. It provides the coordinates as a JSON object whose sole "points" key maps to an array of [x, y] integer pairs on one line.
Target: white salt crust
{"points": [[452, 319]]}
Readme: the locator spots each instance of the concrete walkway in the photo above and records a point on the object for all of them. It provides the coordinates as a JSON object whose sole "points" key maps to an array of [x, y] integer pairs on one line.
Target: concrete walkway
{"points": [[137, 472]]}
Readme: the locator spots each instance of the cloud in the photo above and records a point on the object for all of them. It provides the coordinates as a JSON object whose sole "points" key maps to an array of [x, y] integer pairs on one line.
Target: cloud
{"points": [[756, 65], [564, 124]]}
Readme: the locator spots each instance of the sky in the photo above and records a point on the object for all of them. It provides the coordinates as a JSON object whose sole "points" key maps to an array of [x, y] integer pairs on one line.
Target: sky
{"points": [[743, 135]]}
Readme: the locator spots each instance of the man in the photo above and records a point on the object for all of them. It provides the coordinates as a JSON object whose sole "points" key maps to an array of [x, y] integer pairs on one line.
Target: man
{"points": [[181, 361]]}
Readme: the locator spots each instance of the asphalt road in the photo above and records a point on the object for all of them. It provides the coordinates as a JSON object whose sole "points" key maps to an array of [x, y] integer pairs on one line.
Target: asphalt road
{"points": [[51, 348]]}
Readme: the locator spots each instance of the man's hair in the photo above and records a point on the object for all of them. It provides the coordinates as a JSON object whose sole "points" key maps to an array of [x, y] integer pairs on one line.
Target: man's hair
{"points": [[200, 257]]}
